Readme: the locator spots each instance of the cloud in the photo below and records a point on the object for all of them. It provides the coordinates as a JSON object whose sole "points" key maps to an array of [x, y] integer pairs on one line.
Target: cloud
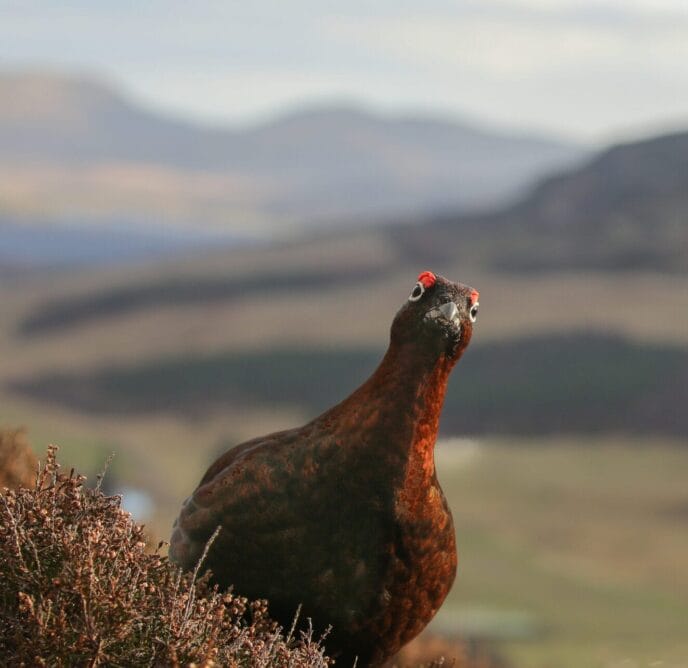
{"points": [[500, 46], [547, 64], [586, 68]]}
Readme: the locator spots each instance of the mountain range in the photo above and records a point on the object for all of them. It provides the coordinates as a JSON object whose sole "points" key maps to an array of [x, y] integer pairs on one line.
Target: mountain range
{"points": [[76, 149]]}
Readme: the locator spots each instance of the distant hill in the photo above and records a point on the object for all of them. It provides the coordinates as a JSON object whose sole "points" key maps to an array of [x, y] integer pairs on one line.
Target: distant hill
{"points": [[583, 324], [310, 166], [626, 209], [67, 120]]}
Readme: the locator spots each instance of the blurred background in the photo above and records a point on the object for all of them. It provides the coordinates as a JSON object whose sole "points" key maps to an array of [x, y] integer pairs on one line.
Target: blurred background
{"points": [[210, 212]]}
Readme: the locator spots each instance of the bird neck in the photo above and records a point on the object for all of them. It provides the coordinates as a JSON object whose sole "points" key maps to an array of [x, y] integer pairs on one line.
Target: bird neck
{"points": [[396, 411], [414, 383], [420, 387]]}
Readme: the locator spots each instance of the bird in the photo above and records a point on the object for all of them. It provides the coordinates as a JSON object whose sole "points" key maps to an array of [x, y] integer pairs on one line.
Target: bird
{"points": [[344, 518]]}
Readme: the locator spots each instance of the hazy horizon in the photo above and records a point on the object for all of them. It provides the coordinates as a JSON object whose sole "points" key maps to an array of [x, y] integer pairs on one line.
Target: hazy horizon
{"points": [[594, 72], [292, 108]]}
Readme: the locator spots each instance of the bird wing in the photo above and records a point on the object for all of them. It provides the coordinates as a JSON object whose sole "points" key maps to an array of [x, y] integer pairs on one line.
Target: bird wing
{"points": [[292, 527], [250, 492]]}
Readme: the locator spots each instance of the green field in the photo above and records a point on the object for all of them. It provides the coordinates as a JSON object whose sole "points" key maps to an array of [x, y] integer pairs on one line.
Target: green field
{"points": [[571, 555]]}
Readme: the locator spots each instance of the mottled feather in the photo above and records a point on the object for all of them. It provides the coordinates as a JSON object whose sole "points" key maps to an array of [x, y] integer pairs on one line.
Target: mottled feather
{"points": [[345, 515]]}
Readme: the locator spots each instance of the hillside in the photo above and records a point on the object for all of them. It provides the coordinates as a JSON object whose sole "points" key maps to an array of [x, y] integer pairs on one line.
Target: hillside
{"points": [[626, 209], [78, 149]]}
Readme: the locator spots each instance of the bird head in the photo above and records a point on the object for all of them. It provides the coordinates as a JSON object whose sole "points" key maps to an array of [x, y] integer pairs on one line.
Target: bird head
{"points": [[438, 316]]}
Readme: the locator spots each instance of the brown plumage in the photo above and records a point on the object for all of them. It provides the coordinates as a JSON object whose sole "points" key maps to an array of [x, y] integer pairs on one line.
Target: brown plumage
{"points": [[345, 514]]}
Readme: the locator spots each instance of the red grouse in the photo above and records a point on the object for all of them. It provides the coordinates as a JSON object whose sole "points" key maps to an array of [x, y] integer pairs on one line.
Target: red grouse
{"points": [[345, 515]]}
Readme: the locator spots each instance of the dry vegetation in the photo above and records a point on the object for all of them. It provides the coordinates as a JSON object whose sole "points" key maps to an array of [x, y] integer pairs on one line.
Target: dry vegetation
{"points": [[79, 588]]}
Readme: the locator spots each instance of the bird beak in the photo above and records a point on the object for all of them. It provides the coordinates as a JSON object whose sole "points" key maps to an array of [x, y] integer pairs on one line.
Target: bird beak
{"points": [[449, 311]]}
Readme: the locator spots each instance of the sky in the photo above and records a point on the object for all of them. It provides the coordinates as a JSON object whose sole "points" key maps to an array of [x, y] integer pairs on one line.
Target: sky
{"points": [[590, 70]]}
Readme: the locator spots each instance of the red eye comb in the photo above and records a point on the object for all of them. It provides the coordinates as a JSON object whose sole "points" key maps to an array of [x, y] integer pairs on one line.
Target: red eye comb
{"points": [[474, 296], [427, 278]]}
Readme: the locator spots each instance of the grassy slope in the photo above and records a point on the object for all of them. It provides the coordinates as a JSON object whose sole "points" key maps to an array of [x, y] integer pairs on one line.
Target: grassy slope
{"points": [[586, 540]]}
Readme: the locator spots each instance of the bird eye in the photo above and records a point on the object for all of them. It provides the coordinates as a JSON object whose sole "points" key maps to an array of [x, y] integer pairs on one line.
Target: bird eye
{"points": [[473, 313], [417, 292]]}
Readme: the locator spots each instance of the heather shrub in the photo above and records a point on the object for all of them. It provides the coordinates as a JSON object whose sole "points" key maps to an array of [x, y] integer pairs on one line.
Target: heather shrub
{"points": [[79, 588]]}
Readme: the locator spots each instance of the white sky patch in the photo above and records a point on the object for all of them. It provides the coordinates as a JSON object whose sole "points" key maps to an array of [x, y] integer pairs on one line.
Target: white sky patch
{"points": [[594, 79], [495, 48], [586, 69], [652, 6]]}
